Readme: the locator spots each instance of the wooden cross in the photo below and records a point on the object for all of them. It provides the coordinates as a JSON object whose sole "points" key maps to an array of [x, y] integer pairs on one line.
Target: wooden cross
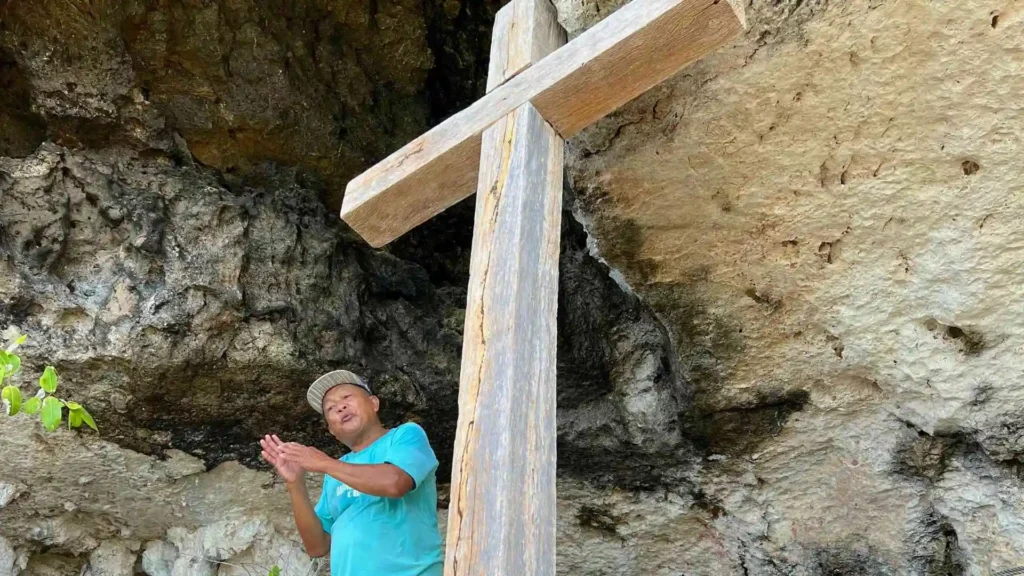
{"points": [[509, 145]]}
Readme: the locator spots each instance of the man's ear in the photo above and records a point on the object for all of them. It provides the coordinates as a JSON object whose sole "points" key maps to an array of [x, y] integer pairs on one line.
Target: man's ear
{"points": [[376, 403]]}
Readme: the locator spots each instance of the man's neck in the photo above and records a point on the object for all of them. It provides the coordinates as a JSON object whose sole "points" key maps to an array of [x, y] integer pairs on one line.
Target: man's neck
{"points": [[366, 438]]}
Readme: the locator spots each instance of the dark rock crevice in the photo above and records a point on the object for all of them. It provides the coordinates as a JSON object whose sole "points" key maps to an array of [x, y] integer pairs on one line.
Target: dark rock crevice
{"points": [[320, 87], [21, 129]]}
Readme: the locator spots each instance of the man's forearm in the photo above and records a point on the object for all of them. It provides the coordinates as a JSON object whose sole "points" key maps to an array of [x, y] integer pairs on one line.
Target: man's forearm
{"points": [[316, 541], [384, 480]]}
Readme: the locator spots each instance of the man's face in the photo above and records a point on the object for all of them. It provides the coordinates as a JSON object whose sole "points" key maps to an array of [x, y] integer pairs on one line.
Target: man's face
{"points": [[349, 409]]}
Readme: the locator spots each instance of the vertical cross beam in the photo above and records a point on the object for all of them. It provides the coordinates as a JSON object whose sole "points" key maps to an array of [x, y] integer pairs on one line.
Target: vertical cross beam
{"points": [[501, 518]]}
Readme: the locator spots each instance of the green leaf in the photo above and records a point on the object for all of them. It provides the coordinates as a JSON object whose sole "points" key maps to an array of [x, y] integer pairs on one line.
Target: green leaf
{"points": [[73, 405], [31, 406], [74, 419], [18, 342], [51, 414], [13, 364], [275, 571], [48, 381], [87, 418], [12, 398]]}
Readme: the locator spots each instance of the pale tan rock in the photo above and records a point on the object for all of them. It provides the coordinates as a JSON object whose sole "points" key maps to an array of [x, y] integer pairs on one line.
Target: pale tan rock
{"points": [[111, 558], [834, 199]]}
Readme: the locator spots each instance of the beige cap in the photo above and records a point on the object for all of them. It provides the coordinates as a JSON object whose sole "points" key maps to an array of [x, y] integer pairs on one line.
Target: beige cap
{"points": [[317, 390]]}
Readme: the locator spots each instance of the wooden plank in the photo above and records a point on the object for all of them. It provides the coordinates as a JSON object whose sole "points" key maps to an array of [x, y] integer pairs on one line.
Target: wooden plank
{"points": [[634, 49], [536, 34], [501, 519]]}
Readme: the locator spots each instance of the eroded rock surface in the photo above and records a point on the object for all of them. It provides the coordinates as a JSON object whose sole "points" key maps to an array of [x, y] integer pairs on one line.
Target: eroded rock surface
{"points": [[803, 361], [321, 86], [823, 214], [189, 315]]}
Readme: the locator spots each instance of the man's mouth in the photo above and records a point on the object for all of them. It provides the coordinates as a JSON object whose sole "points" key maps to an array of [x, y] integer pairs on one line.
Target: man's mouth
{"points": [[347, 417]]}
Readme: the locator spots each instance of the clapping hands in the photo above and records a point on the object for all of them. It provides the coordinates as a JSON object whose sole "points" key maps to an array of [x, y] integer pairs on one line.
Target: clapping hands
{"points": [[291, 459], [289, 470]]}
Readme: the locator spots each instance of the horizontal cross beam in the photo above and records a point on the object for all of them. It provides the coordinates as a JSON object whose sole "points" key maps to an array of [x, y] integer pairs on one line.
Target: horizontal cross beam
{"points": [[620, 58]]}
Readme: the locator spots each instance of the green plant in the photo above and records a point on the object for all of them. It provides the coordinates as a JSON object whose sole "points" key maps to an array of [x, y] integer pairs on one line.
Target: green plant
{"points": [[275, 571], [49, 407]]}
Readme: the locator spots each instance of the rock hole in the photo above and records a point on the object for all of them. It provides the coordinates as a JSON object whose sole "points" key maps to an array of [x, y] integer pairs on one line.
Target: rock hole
{"points": [[830, 250], [701, 501], [753, 295], [995, 20], [842, 178], [789, 243], [598, 518], [836, 344], [969, 167], [971, 342], [764, 299]]}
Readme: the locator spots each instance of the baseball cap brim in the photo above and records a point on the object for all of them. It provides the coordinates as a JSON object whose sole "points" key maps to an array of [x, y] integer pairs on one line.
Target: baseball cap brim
{"points": [[319, 388]]}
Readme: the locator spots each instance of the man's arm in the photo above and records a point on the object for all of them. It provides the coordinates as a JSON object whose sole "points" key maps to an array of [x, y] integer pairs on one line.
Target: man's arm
{"points": [[384, 480], [375, 479], [409, 461], [314, 538]]}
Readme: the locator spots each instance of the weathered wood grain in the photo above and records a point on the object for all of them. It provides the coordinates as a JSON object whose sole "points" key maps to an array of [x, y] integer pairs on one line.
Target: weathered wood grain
{"points": [[634, 49], [501, 519], [536, 34]]}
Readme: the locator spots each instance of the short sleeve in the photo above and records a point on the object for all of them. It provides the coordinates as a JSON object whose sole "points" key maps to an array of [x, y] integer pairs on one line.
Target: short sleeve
{"points": [[411, 451], [323, 510]]}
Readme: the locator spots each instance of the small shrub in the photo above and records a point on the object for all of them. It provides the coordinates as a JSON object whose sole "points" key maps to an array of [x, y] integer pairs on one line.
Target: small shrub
{"points": [[49, 407]]}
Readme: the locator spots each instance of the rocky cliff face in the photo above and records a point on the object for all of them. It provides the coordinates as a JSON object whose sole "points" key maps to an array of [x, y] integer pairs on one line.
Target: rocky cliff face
{"points": [[803, 360], [823, 215]]}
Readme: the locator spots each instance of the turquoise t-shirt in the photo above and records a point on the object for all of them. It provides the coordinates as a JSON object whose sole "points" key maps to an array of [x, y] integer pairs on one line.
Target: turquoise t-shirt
{"points": [[377, 536]]}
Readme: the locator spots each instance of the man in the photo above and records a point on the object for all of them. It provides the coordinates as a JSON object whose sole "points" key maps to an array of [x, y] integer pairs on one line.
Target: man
{"points": [[377, 513]]}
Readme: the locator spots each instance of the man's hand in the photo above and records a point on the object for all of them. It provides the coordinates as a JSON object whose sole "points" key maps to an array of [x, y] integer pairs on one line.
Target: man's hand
{"points": [[316, 541], [308, 458], [290, 470]]}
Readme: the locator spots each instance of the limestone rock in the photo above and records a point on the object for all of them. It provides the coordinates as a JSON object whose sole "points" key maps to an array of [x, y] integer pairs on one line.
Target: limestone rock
{"points": [[243, 82], [819, 213], [788, 314], [52, 564], [8, 492], [180, 464], [157, 267], [232, 547], [158, 558], [8, 559], [111, 558]]}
